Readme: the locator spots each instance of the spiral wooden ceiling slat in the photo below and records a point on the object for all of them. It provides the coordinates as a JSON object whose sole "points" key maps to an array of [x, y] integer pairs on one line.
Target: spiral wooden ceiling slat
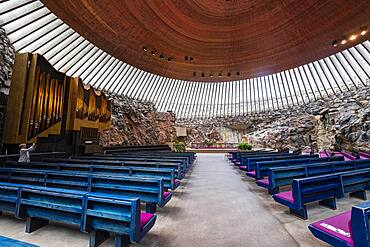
{"points": [[252, 37]]}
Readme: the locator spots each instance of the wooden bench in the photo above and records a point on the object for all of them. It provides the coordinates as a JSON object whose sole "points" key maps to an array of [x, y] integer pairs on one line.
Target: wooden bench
{"points": [[350, 229], [324, 189], [242, 158], [148, 190], [262, 167], [250, 166], [95, 213], [282, 176], [236, 157], [187, 158], [186, 162], [163, 155], [180, 170], [169, 179]]}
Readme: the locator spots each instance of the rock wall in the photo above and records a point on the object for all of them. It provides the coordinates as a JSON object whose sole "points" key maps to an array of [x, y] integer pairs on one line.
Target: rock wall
{"points": [[341, 122], [7, 56], [136, 122]]}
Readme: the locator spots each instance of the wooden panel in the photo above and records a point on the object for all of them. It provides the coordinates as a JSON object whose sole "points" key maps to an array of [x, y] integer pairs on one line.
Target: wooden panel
{"points": [[253, 37], [16, 103]]}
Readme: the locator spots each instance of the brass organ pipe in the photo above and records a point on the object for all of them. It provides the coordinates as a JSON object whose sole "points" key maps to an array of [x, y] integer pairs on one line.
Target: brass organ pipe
{"points": [[33, 103]]}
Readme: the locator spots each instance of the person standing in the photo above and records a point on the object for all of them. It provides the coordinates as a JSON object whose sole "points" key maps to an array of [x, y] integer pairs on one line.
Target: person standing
{"points": [[24, 153]]}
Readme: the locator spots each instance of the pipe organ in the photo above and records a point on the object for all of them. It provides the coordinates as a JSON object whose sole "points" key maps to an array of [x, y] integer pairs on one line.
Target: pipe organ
{"points": [[44, 101]]}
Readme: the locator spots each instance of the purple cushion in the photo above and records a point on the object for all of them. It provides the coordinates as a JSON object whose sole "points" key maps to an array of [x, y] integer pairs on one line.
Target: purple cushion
{"points": [[251, 174], [166, 194], [323, 154], [144, 218], [264, 181], [365, 155], [338, 226], [286, 195], [177, 182], [347, 157]]}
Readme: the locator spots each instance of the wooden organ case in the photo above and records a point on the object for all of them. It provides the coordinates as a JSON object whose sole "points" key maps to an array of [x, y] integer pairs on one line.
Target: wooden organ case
{"points": [[48, 107]]}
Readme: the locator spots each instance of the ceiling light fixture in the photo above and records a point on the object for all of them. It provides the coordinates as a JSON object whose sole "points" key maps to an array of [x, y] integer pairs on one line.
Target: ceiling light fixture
{"points": [[353, 37], [363, 31], [153, 53], [344, 41], [145, 49], [210, 75], [335, 43]]}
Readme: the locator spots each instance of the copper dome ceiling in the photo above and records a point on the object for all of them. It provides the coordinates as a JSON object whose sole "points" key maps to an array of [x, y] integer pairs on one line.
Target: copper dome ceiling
{"points": [[215, 40]]}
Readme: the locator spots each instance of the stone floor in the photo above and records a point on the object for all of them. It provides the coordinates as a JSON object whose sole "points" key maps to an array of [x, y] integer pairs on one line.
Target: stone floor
{"points": [[217, 205]]}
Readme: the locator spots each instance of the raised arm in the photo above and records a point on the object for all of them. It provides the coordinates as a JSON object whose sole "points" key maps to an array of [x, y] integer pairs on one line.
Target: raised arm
{"points": [[33, 147]]}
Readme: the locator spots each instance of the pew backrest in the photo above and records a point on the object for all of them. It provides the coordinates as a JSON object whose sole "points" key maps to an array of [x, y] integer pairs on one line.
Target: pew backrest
{"points": [[90, 211], [281, 176], [179, 169], [312, 189], [168, 174], [149, 190], [262, 167], [251, 162]]}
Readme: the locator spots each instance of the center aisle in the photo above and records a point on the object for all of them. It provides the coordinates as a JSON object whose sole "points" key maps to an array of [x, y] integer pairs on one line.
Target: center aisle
{"points": [[215, 206]]}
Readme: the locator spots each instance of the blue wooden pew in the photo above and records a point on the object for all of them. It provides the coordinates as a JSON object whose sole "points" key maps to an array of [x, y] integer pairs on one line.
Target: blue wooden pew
{"points": [[148, 190], [180, 170], [348, 229], [238, 155], [95, 213], [190, 156], [9, 242], [250, 166], [244, 158], [325, 189], [262, 167], [282, 176], [185, 161], [169, 179]]}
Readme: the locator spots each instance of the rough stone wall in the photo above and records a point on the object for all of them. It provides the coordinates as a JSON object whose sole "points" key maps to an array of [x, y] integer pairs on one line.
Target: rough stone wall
{"points": [[341, 122], [7, 56], [277, 130], [136, 122]]}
